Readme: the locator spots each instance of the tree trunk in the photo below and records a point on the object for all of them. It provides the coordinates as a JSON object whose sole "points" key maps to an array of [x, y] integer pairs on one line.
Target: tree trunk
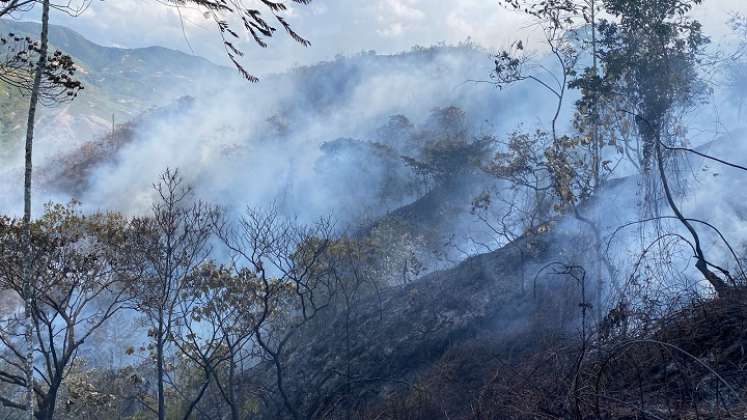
{"points": [[200, 394], [718, 284], [160, 374], [27, 261], [46, 407], [281, 388], [596, 144], [231, 390]]}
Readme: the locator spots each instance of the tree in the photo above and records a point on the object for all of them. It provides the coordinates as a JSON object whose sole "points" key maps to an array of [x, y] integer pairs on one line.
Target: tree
{"points": [[649, 58], [251, 19], [289, 264], [18, 59], [650, 74], [79, 283], [556, 155], [217, 325], [559, 170], [168, 246], [28, 287], [50, 79], [563, 21], [445, 149]]}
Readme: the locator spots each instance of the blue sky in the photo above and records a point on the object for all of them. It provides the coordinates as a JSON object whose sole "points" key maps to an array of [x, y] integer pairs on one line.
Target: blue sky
{"points": [[333, 26]]}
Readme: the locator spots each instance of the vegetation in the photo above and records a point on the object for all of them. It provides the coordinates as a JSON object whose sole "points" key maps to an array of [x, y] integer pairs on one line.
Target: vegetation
{"points": [[209, 312]]}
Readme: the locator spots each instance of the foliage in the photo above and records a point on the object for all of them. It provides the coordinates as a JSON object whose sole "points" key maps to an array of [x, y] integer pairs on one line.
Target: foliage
{"points": [[649, 54], [78, 287], [446, 149], [18, 58]]}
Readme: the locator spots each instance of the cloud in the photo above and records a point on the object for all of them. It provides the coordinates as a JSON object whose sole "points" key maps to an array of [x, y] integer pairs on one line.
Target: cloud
{"points": [[396, 16], [333, 26], [403, 9]]}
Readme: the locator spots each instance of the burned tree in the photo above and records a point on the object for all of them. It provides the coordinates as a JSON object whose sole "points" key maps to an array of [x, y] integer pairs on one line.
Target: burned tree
{"points": [[288, 263]]}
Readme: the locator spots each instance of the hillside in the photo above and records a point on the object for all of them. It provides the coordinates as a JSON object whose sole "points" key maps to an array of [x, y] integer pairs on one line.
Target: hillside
{"points": [[444, 232], [291, 145], [118, 84], [506, 334], [490, 309]]}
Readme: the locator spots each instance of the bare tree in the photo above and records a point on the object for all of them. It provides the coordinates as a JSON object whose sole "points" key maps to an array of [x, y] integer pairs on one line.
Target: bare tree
{"points": [[169, 245], [288, 262]]}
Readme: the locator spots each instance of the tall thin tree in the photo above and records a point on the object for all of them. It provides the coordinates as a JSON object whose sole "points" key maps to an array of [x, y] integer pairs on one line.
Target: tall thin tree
{"points": [[27, 263]]}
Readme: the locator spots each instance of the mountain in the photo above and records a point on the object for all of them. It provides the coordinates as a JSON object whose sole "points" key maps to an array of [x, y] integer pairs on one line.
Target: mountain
{"points": [[244, 143], [428, 306], [466, 320], [118, 84]]}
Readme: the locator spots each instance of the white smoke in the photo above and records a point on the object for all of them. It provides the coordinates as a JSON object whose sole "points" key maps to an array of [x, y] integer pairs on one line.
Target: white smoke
{"points": [[224, 146]]}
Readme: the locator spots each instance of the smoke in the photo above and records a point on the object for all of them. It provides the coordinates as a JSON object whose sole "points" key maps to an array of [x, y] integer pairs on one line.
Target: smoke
{"points": [[248, 145], [244, 145]]}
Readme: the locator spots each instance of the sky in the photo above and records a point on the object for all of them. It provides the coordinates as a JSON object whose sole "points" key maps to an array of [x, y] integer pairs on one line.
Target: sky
{"points": [[333, 26]]}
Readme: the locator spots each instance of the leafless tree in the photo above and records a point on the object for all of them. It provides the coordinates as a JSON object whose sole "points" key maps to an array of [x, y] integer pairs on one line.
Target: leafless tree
{"points": [[169, 245], [289, 262]]}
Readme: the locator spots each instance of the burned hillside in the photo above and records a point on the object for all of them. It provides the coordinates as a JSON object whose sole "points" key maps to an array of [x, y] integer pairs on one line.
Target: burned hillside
{"points": [[544, 221]]}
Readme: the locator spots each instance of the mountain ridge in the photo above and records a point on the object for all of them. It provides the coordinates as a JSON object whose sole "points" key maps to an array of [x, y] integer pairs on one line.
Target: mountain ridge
{"points": [[119, 84]]}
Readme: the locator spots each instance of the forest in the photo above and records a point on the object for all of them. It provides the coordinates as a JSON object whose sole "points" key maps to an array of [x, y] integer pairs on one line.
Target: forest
{"points": [[552, 229]]}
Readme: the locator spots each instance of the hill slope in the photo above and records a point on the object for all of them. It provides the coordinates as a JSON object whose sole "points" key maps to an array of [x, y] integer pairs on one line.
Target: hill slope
{"points": [[119, 84]]}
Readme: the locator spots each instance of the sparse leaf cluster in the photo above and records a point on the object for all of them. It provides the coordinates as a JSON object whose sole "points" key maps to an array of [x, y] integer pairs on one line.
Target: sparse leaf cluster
{"points": [[18, 59]]}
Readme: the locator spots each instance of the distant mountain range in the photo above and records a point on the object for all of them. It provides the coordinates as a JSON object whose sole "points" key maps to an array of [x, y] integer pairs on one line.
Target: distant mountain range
{"points": [[119, 84]]}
